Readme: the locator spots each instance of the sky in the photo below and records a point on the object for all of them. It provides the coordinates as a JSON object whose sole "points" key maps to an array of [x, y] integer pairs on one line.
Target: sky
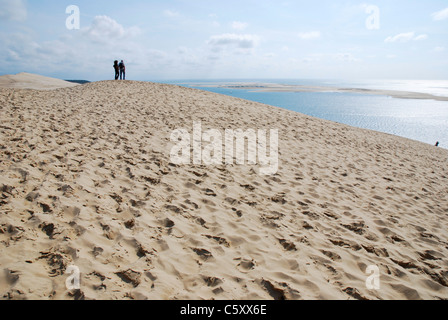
{"points": [[215, 39]]}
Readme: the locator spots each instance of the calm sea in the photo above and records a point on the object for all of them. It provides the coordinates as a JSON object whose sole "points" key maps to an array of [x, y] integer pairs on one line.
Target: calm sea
{"points": [[422, 120]]}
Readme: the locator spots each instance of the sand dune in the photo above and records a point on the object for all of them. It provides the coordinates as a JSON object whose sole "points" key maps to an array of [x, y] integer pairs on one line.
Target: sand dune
{"points": [[86, 180], [33, 81]]}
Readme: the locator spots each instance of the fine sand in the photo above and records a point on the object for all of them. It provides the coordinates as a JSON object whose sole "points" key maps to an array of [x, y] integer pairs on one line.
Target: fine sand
{"points": [[33, 81], [86, 180]]}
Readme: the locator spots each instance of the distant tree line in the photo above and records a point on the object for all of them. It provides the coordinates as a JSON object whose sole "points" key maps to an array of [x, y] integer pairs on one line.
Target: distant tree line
{"points": [[79, 81]]}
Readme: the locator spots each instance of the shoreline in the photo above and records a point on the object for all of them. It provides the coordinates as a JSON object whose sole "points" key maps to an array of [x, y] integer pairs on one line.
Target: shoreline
{"points": [[252, 87], [32, 81], [37, 82], [302, 88]]}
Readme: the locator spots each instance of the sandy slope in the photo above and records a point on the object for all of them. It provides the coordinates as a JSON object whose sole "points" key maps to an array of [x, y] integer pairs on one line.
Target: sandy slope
{"points": [[33, 81], [86, 180]]}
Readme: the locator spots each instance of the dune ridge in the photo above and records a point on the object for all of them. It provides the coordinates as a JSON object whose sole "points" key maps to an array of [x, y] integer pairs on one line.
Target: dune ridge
{"points": [[86, 180], [26, 80]]}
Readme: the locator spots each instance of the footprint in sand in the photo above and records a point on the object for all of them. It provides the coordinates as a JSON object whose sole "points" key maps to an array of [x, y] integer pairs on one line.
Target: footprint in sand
{"points": [[203, 253], [245, 265]]}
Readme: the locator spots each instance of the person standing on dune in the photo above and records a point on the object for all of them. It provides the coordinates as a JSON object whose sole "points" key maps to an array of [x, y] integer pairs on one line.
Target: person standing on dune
{"points": [[117, 69], [122, 70]]}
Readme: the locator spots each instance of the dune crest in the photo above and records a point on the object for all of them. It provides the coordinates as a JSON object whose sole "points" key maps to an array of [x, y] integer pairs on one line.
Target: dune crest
{"points": [[33, 81], [87, 181]]}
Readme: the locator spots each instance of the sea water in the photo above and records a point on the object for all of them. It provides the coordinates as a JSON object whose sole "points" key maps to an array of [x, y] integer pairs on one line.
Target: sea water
{"points": [[417, 119]]}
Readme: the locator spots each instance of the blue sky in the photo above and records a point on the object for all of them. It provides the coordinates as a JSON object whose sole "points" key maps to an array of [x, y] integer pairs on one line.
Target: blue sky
{"points": [[245, 39]]}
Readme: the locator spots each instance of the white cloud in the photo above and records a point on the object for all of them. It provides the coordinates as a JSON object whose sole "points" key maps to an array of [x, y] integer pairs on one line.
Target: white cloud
{"points": [[13, 55], [309, 35], [171, 14], [421, 37], [242, 41], [346, 57], [23, 52], [239, 25], [402, 37], [312, 58], [32, 56], [439, 49], [104, 29], [182, 50], [405, 37], [13, 10], [440, 15]]}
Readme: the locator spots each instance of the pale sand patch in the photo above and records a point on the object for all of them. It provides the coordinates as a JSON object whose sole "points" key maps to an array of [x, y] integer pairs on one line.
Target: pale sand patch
{"points": [[86, 180], [33, 81]]}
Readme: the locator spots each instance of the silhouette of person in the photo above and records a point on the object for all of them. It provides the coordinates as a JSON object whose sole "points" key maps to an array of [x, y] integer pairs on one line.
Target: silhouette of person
{"points": [[122, 70], [117, 69]]}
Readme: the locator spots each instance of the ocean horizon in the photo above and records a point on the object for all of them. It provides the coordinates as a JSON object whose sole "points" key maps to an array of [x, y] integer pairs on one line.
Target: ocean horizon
{"points": [[422, 120]]}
